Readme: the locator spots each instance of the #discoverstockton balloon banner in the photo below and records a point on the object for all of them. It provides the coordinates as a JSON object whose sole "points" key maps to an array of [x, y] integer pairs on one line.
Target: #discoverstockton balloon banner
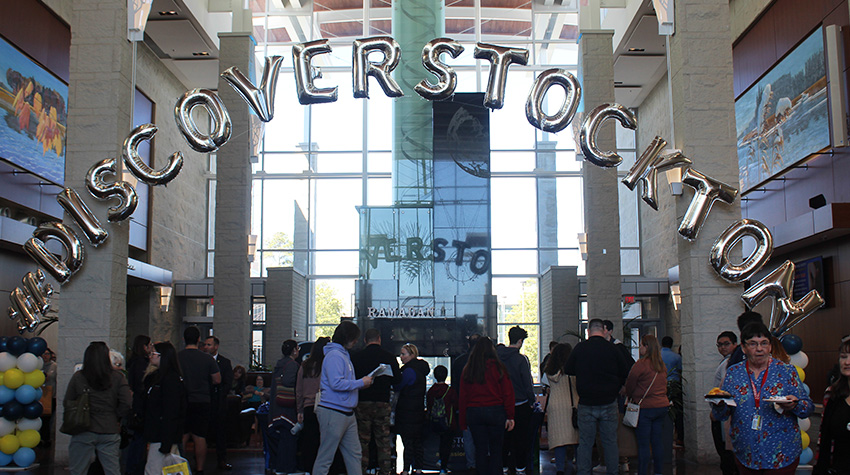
{"points": [[21, 379], [31, 301]]}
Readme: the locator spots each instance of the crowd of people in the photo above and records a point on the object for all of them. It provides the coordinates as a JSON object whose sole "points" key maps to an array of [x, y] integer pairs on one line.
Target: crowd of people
{"points": [[343, 408]]}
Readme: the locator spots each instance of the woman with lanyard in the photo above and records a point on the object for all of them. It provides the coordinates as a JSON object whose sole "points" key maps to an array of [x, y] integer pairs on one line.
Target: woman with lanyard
{"points": [[769, 398]]}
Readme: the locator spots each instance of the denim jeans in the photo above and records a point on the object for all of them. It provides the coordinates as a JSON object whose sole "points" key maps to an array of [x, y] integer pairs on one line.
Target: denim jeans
{"points": [[469, 449], [649, 431], [603, 418], [83, 447], [561, 462], [487, 425]]}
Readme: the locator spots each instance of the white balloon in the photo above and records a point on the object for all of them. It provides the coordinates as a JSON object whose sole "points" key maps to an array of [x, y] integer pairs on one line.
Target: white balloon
{"points": [[7, 361], [29, 424], [6, 426], [40, 364], [28, 362], [805, 424], [800, 359]]}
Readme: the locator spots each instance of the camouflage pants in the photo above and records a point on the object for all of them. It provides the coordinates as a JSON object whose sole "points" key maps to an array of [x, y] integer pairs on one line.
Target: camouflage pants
{"points": [[373, 420]]}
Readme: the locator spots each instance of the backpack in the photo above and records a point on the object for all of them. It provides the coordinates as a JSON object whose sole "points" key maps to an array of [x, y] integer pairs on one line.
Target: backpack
{"points": [[441, 418]]}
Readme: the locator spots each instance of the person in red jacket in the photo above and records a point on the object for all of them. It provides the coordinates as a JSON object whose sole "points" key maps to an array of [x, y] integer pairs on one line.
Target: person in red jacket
{"points": [[486, 405]]}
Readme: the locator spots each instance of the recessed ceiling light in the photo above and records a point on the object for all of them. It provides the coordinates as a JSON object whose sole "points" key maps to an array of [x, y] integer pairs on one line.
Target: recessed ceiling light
{"points": [[201, 53], [636, 50], [168, 13]]}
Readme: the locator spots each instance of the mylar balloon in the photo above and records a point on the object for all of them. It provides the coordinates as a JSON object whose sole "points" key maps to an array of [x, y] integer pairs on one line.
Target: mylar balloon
{"points": [[16, 345], [25, 394], [13, 378], [29, 438], [37, 346], [33, 410], [24, 457], [35, 378], [27, 362], [7, 361]]}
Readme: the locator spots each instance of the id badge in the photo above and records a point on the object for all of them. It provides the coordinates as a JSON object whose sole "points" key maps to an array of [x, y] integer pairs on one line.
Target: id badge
{"points": [[756, 422]]}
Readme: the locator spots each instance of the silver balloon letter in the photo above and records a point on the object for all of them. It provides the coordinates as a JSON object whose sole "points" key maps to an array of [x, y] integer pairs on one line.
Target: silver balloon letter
{"points": [[590, 127], [534, 105], [29, 303], [126, 194], [708, 190], [74, 255], [199, 141], [308, 93], [139, 168], [76, 207], [260, 99], [500, 58], [431, 61], [645, 170], [363, 68], [719, 255], [779, 285]]}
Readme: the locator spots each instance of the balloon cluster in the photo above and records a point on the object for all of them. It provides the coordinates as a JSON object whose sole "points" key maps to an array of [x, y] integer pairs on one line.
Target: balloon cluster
{"points": [[793, 345], [21, 379]]}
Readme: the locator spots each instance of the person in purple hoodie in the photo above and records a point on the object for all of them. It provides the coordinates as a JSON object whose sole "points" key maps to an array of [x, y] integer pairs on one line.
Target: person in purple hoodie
{"points": [[337, 398]]}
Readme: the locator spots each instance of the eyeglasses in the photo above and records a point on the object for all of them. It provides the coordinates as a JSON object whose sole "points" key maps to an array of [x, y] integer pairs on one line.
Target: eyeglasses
{"points": [[725, 343], [755, 344]]}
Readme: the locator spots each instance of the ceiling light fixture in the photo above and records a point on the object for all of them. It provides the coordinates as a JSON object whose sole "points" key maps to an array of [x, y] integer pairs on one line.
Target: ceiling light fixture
{"points": [[636, 50], [168, 13], [201, 53]]}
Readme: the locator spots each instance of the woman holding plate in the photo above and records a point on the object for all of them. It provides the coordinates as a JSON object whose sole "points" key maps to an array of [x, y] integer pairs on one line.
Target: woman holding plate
{"points": [[769, 398]]}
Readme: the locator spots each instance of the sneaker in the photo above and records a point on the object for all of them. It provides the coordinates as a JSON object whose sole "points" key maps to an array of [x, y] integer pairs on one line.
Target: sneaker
{"points": [[600, 469], [624, 467], [505, 470], [520, 471]]}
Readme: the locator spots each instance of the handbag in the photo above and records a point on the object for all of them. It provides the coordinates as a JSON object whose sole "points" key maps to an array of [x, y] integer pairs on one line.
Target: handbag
{"points": [[572, 404], [630, 419], [77, 416], [284, 396]]}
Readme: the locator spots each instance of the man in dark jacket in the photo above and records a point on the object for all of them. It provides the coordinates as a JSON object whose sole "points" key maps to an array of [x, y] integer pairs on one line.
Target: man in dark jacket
{"points": [[600, 370], [218, 402], [515, 453], [373, 409], [457, 371]]}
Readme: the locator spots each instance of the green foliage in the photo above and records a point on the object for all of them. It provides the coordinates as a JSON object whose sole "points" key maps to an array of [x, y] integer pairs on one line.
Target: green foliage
{"points": [[279, 240], [329, 306], [525, 311]]}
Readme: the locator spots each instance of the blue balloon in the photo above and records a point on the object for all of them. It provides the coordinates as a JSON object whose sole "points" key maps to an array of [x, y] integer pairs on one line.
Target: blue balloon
{"points": [[6, 394], [806, 456], [3, 341], [25, 394], [5, 459], [24, 457], [13, 410], [792, 343], [806, 389], [38, 393], [16, 345], [37, 346], [33, 410]]}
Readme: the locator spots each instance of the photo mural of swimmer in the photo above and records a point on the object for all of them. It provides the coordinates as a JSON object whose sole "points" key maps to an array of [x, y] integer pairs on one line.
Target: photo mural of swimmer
{"points": [[33, 115]]}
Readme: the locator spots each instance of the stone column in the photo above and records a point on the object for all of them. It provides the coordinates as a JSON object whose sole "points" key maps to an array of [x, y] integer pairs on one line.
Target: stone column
{"points": [[704, 124], [232, 320], [601, 206], [94, 299], [559, 306], [286, 311]]}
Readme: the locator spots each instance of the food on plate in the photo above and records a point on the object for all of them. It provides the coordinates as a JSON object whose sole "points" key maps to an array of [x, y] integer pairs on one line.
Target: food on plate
{"points": [[717, 392]]}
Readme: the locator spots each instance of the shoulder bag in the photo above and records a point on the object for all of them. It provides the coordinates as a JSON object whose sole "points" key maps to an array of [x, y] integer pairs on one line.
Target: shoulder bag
{"points": [[77, 416], [572, 403], [630, 419]]}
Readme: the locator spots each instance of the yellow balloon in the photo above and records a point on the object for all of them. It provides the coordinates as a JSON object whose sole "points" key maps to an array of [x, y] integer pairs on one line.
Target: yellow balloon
{"points": [[31, 438], [806, 439], [800, 372], [2, 378], [13, 378], [9, 444], [34, 378]]}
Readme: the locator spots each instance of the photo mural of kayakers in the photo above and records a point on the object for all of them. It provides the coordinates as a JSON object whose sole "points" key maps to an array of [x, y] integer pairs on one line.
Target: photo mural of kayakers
{"points": [[783, 118], [33, 115]]}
